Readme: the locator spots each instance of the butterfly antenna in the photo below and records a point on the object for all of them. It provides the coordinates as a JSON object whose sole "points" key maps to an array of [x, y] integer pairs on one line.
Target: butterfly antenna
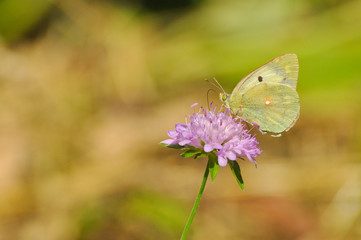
{"points": [[208, 95], [216, 85], [219, 85]]}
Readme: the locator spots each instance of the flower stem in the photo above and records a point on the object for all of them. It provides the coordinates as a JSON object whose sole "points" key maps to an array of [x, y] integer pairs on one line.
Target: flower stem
{"points": [[196, 203]]}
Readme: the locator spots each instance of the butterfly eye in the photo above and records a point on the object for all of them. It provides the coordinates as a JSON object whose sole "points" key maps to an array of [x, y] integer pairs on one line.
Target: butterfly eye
{"points": [[260, 79]]}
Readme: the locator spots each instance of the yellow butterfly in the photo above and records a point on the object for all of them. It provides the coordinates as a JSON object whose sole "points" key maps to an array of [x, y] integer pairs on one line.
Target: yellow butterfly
{"points": [[267, 97]]}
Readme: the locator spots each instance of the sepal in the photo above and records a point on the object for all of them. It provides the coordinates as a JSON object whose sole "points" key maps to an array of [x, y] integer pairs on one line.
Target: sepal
{"points": [[237, 173], [191, 152], [174, 146], [213, 165]]}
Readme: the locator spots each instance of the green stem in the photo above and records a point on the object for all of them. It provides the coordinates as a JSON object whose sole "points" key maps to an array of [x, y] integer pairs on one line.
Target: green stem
{"points": [[196, 203]]}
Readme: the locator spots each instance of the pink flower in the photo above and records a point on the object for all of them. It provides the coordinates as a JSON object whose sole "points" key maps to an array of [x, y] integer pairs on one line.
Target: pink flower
{"points": [[218, 132]]}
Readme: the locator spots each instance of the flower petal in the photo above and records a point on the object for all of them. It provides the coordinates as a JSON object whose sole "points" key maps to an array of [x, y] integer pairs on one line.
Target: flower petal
{"points": [[222, 161], [231, 156], [184, 142], [180, 127], [208, 148], [193, 105], [172, 134], [168, 142], [218, 146]]}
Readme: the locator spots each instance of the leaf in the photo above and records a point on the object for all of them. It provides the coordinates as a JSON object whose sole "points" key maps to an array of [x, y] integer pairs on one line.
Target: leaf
{"points": [[190, 152], [213, 165], [237, 173], [199, 155]]}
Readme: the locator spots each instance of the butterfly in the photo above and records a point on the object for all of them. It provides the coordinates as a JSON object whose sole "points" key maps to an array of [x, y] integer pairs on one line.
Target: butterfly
{"points": [[267, 97]]}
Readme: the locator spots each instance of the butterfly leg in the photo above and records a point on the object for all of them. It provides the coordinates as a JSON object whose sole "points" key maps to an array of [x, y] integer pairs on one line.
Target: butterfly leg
{"points": [[256, 125]]}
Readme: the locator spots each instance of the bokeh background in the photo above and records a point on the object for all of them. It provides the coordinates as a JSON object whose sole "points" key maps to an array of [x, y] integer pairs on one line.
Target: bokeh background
{"points": [[88, 88]]}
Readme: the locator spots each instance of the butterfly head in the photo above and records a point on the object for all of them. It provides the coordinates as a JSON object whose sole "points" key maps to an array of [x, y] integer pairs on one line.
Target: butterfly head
{"points": [[224, 97]]}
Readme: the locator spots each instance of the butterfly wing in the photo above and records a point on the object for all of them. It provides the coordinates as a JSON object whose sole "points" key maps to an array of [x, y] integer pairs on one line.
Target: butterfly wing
{"points": [[283, 70], [274, 107]]}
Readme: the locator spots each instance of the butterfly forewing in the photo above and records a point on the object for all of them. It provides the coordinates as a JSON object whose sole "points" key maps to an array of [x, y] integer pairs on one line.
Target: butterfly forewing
{"points": [[274, 107], [282, 70]]}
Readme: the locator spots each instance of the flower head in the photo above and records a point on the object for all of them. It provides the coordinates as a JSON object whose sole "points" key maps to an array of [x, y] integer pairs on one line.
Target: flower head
{"points": [[217, 132]]}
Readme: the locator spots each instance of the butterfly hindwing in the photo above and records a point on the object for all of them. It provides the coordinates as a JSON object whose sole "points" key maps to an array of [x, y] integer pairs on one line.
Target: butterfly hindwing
{"points": [[274, 107]]}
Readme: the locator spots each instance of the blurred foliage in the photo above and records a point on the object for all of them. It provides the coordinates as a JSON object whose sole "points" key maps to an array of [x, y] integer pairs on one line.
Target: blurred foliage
{"points": [[19, 17], [161, 5], [84, 104]]}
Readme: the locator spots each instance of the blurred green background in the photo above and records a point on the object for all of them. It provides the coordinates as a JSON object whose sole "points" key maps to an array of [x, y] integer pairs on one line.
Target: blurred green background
{"points": [[88, 88]]}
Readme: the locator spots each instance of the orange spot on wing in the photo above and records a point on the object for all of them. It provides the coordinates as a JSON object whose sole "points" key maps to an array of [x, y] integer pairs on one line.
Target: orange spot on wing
{"points": [[268, 101]]}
